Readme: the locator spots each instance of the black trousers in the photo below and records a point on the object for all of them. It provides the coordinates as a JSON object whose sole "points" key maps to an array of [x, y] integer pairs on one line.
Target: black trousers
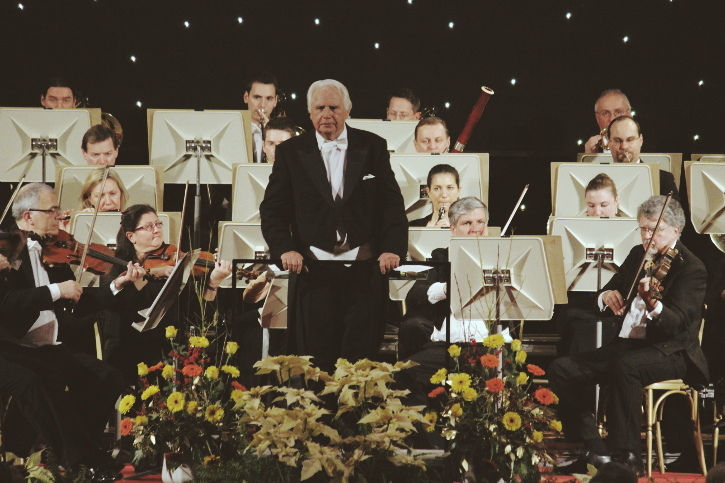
{"points": [[337, 311], [71, 421], [625, 366], [414, 334], [250, 337]]}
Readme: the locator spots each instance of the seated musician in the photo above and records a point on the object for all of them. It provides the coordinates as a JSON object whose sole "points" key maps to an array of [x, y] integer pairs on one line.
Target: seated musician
{"points": [[100, 146], [403, 105], [625, 141], [65, 396], [612, 103], [431, 136], [601, 197], [261, 98], [657, 340], [57, 94], [139, 235], [114, 196], [277, 130], [443, 188]]}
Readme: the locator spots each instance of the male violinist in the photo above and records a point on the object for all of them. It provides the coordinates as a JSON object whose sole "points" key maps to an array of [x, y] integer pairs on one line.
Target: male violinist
{"points": [[65, 396], [657, 340]]}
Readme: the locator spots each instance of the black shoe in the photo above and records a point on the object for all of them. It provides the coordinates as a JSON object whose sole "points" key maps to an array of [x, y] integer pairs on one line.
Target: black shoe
{"points": [[684, 464], [580, 466], [633, 461], [104, 475]]}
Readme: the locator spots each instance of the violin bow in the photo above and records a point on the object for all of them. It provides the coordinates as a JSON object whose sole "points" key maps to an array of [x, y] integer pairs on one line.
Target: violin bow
{"points": [[518, 203], [79, 271], [12, 198]]}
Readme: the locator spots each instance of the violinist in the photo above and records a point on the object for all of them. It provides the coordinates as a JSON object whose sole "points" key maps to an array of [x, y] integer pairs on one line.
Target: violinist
{"points": [[443, 188], [34, 299], [114, 196], [657, 339], [139, 236]]}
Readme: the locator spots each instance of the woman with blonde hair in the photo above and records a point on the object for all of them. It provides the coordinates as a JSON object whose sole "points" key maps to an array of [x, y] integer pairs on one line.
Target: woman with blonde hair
{"points": [[114, 195]]}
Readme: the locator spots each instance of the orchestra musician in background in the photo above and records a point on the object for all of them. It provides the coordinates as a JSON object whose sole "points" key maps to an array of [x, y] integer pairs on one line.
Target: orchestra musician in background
{"points": [[261, 98], [611, 104], [443, 188], [114, 196], [601, 197], [100, 146], [403, 105], [431, 136], [278, 130], [57, 93]]}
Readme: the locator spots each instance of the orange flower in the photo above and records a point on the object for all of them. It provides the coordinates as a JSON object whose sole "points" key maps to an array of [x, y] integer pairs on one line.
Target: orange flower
{"points": [[156, 367], [490, 361], [237, 385], [544, 396], [192, 370], [126, 426], [495, 385], [535, 370], [436, 391]]}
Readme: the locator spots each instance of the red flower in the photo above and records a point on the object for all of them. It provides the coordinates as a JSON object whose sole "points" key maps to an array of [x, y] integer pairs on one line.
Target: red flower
{"points": [[490, 361], [126, 426], [158, 366], [192, 370], [544, 396], [436, 391], [535, 370], [495, 385], [236, 385]]}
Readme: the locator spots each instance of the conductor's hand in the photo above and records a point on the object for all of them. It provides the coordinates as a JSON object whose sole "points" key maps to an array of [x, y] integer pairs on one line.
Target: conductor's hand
{"points": [[613, 299], [388, 261], [592, 144], [292, 261], [134, 272], [71, 290]]}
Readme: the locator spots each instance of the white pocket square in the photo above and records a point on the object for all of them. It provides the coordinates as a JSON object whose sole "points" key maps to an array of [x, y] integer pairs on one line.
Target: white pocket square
{"points": [[368, 176]]}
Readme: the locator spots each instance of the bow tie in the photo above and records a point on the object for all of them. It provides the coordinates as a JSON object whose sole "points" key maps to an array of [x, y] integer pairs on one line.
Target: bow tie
{"points": [[328, 146], [34, 245]]}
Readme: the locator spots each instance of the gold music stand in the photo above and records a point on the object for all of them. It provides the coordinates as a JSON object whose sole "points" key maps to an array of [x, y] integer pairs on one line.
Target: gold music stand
{"points": [[398, 134]]}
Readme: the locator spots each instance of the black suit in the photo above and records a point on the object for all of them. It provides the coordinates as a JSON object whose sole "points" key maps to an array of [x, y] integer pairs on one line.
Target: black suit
{"points": [[670, 351], [335, 310], [667, 185], [72, 421]]}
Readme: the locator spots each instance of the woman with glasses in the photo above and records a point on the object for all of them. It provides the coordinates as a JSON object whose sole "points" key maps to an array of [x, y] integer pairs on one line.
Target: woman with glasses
{"points": [[139, 235]]}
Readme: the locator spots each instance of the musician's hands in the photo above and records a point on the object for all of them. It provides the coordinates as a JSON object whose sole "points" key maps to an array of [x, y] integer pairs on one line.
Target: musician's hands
{"points": [[63, 223], [644, 291], [613, 299], [71, 290], [293, 262], [442, 223], [4, 264], [134, 273], [388, 261], [592, 145], [222, 269], [161, 272]]}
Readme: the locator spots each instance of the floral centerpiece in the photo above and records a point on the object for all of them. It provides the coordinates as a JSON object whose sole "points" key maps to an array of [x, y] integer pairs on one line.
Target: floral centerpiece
{"points": [[493, 414]]}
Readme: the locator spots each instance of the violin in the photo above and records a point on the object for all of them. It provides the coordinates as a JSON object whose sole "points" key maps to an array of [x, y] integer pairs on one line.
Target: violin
{"points": [[64, 249], [166, 256], [658, 271]]}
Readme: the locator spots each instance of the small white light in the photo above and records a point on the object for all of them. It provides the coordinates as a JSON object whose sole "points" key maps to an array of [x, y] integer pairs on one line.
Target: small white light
{"points": [[410, 2], [377, 45], [697, 136], [317, 21], [626, 39], [522, 207], [450, 25], [138, 103], [568, 15], [20, 6], [448, 105], [240, 19], [579, 142], [186, 24], [633, 113], [513, 82], [700, 83], [133, 58], [293, 96]]}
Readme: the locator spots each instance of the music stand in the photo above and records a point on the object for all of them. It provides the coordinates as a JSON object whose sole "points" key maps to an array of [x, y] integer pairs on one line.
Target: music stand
{"points": [[143, 183], [248, 185], [106, 227], [706, 182], [197, 146], [411, 173], [36, 141], [398, 134], [636, 182], [671, 162], [708, 158], [241, 241]]}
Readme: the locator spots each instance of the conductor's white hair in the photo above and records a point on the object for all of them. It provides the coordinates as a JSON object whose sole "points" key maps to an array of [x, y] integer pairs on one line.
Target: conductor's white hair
{"points": [[346, 102]]}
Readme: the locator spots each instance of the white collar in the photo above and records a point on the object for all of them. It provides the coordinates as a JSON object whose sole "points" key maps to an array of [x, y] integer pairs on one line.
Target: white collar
{"points": [[321, 140]]}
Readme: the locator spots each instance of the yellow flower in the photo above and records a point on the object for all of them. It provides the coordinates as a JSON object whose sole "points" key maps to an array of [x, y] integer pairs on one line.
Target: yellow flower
{"points": [[211, 460], [469, 394], [454, 350], [212, 373], [511, 421], [126, 403], [191, 407], [439, 376], [143, 369], [521, 357], [456, 410], [175, 402], [516, 345], [494, 341], [522, 379], [431, 419], [537, 436], [237, 395], [171, 332], [168, 371], [231, 370], [198, 342], [214, 413], [142, 420], [460, 381], [150, 391], [555, 425], [232, 348]]}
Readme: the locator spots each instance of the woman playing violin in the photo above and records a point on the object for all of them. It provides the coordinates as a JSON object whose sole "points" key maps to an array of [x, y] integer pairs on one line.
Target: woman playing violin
{"points": [[114, 196]]}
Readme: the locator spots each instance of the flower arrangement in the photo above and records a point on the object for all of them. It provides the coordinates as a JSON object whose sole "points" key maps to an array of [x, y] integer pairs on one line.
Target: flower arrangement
{"points": [[490, 410]]}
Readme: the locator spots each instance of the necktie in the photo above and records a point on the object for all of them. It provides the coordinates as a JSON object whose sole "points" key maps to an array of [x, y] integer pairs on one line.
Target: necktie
{"points": [[333, 152]]}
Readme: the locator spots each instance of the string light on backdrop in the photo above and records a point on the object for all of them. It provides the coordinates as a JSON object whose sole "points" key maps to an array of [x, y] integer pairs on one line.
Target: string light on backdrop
{"points": [[579, 142], [448, 105], [293, 96], [377, 45], [697, 137], [513, 82], [450, 25], [700, 83], [568, 15], [240, 20], [138, 103], [133, 58], [317, 21], [625, 39], [186, 24], [20, 6]]}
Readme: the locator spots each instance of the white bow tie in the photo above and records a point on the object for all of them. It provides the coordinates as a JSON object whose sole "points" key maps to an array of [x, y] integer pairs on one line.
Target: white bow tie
{"points": [[328, 146]]}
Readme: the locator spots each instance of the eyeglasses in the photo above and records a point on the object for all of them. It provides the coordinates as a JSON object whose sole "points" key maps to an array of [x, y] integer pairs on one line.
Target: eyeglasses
{"points": [[651, 231], [615, 113], [150, 226], [54, 210], [630, 140]]}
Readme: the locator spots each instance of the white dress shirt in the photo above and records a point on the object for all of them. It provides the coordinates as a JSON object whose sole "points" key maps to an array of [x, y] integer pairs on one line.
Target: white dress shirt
{"points": [[257, 143], [45, 329]]}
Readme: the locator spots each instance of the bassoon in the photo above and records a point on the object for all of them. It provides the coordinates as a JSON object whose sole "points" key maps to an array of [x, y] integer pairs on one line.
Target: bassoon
{"points": [[473, 119]]}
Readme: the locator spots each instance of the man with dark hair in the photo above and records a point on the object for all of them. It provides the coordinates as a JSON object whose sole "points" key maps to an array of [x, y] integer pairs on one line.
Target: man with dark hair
{"points": [[625, 141], [278, 130], [100, 146], [403, 105], [261, 98], [657, 340], [431, 136], [611, 103], [57, 93], [332, 195]]}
